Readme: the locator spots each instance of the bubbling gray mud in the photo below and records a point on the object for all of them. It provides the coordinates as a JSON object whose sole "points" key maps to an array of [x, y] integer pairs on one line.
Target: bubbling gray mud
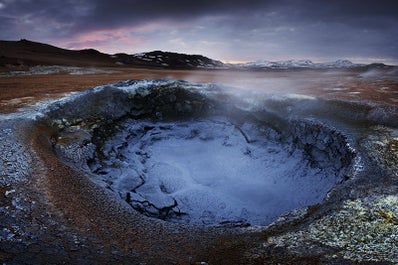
{"points": [[193, 154]]}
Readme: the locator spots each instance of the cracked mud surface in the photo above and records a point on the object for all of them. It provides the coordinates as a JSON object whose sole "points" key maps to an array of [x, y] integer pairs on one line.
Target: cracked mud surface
{"points": [[211, 171]]}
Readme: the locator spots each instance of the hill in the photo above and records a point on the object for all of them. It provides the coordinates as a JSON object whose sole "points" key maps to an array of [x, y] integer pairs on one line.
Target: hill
{"points": [[27, 53], [24, 54]]}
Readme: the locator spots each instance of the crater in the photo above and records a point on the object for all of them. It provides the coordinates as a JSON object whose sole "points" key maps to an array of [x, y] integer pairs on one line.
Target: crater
{"points": [[186, 155]]}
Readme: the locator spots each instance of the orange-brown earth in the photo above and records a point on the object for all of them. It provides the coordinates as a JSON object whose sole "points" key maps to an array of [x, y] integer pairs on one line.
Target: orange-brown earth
{"points": [[20, 91]]}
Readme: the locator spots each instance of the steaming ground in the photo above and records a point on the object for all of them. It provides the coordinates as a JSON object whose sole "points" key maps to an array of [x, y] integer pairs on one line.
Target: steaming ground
{"points": [[68, 188], [372, 85], [194, 154]]}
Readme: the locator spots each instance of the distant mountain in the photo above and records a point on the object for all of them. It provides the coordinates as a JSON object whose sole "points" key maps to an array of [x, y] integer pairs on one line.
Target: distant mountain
{"points": [[299, 64], [279, 64], [23, 54], [179, 60], [26, 53], [168, 60]]}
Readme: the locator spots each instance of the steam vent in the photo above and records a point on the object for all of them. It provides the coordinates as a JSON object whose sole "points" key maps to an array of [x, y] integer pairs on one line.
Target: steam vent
{"points": [[170, 172]]}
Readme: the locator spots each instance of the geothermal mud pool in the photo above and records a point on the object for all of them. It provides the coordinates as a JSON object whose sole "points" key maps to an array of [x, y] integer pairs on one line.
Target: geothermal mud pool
{"points": [[206, 164], [218, 165], [210, 172]]}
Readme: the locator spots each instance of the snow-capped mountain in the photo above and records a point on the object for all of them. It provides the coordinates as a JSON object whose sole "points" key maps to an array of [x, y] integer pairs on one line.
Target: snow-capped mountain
{"points": [[292, 64], [279, 64], [178, 60], [339, 64]]}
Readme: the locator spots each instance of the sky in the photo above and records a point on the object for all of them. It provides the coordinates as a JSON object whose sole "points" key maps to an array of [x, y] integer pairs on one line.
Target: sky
{"points": [[363, 31]]}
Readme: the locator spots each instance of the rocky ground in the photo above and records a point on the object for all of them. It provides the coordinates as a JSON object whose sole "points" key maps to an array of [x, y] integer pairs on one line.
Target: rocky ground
{"points": [[52, 212]]}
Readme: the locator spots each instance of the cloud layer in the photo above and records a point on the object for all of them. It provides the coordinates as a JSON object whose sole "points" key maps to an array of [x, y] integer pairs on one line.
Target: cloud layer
{"points": [[227, 30]]}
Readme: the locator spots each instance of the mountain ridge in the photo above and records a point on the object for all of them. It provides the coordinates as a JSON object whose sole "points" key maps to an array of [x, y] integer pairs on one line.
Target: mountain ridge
{"points": [[24, 53]]}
